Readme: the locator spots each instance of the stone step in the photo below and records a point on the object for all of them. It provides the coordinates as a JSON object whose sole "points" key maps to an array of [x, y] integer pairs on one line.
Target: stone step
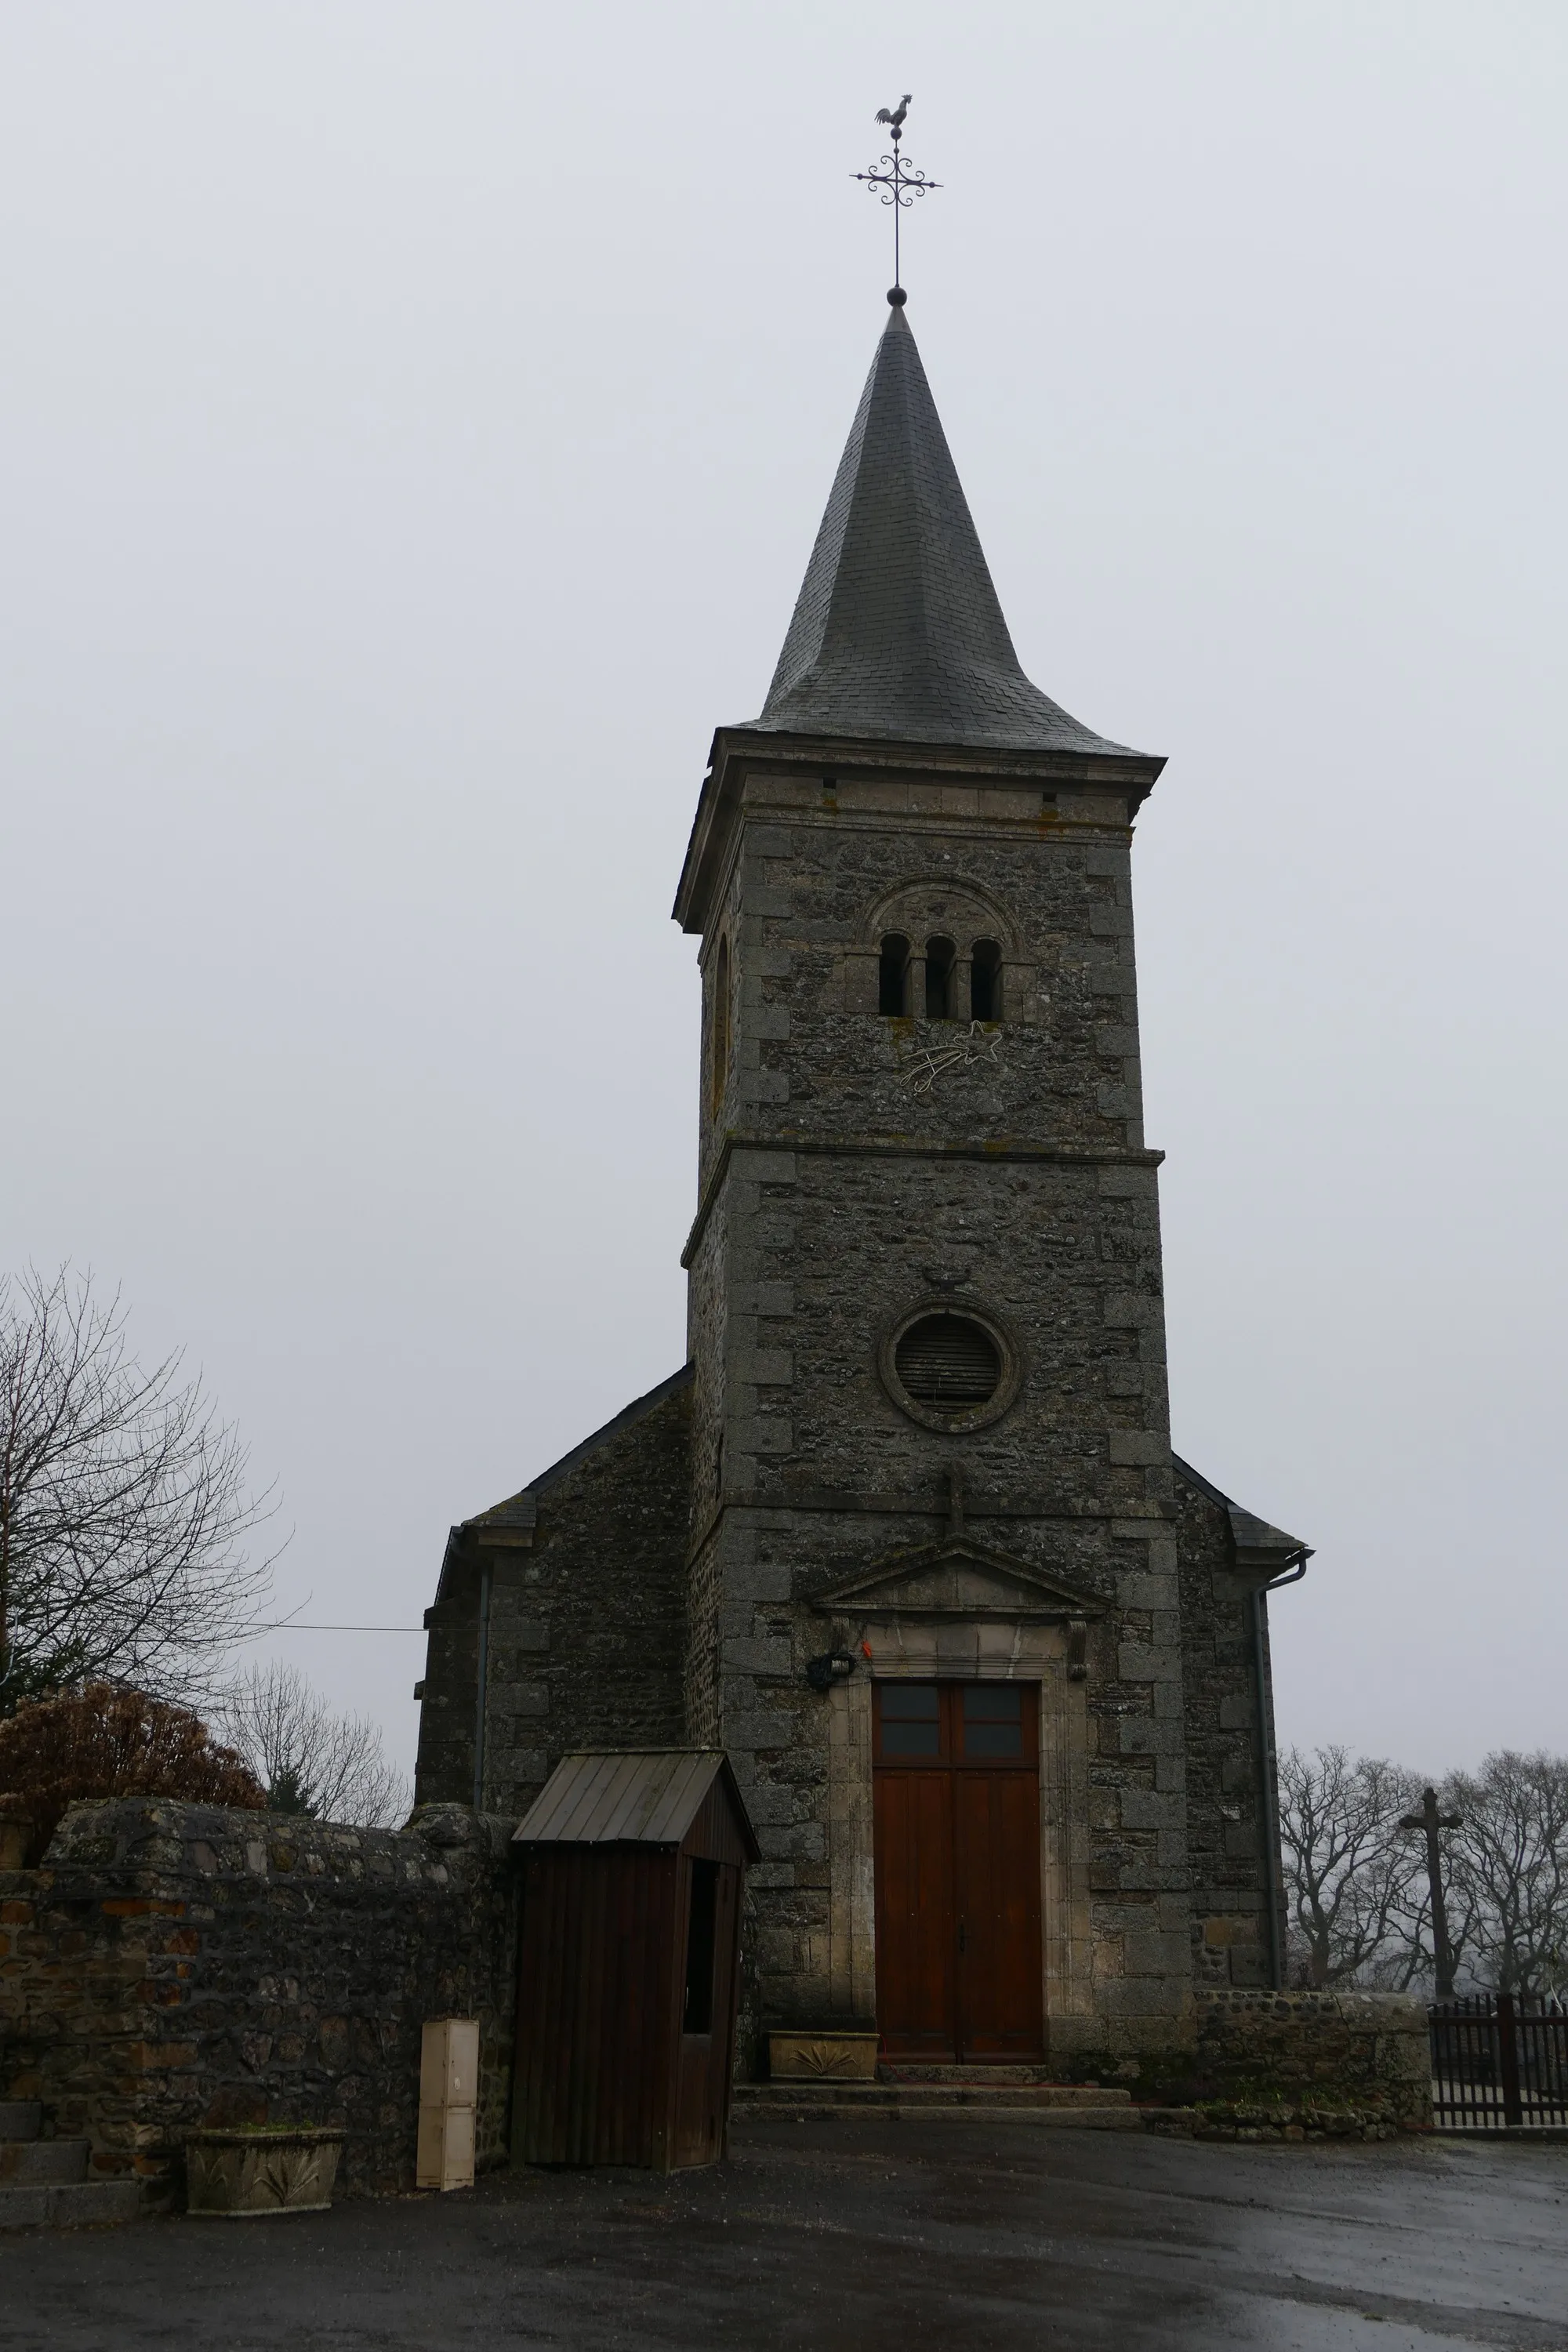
{"points": [[68, 2205], [915, 2071], [21, 2119], [837, 2103], [1002, 2082], [41, 2163], [916, 2097]]}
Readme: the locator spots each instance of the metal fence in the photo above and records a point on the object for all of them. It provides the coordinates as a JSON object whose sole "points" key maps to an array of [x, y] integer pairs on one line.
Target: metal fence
{"points": [[1499, 2061]]}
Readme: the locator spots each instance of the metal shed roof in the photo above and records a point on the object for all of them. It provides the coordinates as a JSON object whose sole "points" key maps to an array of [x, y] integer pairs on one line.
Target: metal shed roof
{"points": [[637, 1795]]}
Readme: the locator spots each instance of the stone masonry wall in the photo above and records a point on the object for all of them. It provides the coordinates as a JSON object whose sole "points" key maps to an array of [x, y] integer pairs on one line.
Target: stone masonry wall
{"points": [[1224, 1830], [588, 1628], [176, 1965], [444, 1767], [1363, 2051]]}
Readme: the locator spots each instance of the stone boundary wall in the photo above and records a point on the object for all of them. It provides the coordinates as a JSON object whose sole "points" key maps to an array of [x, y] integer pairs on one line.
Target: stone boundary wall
{"points": [[1366, 2052], [172, 1965]]}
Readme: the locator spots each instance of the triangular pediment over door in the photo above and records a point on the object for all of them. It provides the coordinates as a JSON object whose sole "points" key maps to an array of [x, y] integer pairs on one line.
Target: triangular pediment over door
{"points": [[956, 1577]]}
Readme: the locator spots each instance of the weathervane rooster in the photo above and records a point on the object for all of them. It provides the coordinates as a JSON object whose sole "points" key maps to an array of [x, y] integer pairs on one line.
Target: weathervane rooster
{"points": [[896, 183]]}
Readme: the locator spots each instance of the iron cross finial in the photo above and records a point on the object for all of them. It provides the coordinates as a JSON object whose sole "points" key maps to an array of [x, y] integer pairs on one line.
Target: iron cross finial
{"points": [[898, 184]]}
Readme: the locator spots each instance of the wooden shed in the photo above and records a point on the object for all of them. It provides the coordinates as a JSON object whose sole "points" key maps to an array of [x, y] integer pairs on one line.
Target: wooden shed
{"points": [[629, 1965]]}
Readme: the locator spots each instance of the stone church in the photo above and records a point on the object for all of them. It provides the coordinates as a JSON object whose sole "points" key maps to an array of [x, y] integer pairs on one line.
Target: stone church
{"points": [[905, 1533]]}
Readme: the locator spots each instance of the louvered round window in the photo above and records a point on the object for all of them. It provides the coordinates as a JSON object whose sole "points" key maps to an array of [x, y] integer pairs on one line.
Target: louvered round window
{"points": [[949, 1368], [948, 1361]]}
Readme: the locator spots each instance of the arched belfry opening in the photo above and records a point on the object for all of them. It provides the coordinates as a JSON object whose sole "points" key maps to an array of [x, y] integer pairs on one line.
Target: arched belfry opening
{"points": [[893, 975], [941, 979], [985, 980]]}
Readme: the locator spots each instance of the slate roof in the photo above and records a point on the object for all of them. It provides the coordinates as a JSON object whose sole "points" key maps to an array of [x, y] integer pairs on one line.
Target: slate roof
{"points": [[521, 1511], [898, 632], [1259, 1545], [500, 1514], [636, 1796]]}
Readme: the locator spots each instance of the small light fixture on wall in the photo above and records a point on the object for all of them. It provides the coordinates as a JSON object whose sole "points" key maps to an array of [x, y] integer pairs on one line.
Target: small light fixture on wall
{"points": [[833, 1666]]}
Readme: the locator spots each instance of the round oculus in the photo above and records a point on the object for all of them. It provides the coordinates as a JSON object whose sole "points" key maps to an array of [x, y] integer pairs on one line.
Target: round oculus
{"points": [[948, 1367]]}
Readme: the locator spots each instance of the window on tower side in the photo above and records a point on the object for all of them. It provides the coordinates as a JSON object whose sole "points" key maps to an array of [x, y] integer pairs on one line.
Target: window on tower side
{"points": [[941, 962], [985, 980], [893, 975], [720, 1024]]}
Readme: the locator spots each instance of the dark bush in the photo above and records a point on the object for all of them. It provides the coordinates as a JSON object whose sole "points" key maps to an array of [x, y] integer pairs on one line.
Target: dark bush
{"points": [[102, 1741]]}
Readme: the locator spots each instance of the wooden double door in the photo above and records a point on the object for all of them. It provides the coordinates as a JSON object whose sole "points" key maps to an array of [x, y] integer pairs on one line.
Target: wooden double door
{"points": [[957, 1841]]}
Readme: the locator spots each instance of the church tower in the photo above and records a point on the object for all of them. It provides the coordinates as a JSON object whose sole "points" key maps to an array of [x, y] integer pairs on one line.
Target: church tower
{"points": [[933, 1608]]}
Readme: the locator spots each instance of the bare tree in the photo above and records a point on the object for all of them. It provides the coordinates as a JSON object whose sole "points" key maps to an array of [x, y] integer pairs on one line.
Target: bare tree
{"points": [[310, 1760], [1350, 1874], [125, 1505], [1508, 1872]]}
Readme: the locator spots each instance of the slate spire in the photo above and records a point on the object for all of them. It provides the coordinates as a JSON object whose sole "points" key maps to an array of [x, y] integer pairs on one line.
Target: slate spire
{"points": [[897, 632]]}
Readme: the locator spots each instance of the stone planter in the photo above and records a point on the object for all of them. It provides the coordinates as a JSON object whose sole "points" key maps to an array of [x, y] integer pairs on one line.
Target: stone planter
{"points": [[803, 2056], [269, 2168]]}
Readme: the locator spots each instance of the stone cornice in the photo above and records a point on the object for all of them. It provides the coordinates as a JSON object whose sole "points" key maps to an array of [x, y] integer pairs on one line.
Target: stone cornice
{"points": [[902, 1147], [738, 749], [976, 1506], [1126, 1524]]}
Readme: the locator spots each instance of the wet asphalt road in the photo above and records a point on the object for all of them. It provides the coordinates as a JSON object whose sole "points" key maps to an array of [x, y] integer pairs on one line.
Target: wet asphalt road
{"points": [[877, 2235]]}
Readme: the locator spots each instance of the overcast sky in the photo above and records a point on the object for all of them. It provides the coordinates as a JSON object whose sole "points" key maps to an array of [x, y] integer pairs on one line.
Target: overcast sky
{"points": [[414, 422]]}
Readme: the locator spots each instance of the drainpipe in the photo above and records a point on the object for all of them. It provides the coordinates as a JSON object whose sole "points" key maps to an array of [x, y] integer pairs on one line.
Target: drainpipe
{"points": [[479, 1693], [1267, 1777]]}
